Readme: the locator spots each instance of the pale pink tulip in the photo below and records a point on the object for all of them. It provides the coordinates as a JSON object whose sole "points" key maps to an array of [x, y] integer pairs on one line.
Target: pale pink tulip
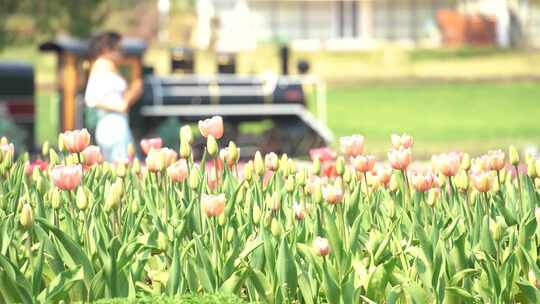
{"points": [[352, 145], [151, 143], [404, 141], [333, 194], [422, 182], [495, 160], [6, 149], [299, 212], [363, 163], [92, 155], [212, 126], [271, 161], [213, 205], [321, 246], [154, 161], [75, 141], [383, 174], [447, 164], [67, 177], [169, 156], [482, 181], [178, 171], [227, 157], [400, 158]]}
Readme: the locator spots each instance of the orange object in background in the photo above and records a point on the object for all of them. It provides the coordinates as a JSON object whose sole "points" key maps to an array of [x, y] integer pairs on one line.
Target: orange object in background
{"points": [[459, 29]]}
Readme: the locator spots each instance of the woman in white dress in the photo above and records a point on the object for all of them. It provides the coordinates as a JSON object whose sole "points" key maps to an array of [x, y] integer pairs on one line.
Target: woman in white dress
{"points": [[109, 94]]}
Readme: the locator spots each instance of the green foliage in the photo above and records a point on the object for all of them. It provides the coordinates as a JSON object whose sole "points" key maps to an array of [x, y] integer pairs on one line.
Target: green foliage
{"points": [[184, 299]]}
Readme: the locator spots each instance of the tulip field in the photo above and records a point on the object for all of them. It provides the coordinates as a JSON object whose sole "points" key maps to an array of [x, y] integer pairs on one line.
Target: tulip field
{"points": [[345, 228]]}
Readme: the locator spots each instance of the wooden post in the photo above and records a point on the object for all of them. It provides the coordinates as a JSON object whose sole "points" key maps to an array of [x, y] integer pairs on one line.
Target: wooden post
{"points": [[69, 106]]}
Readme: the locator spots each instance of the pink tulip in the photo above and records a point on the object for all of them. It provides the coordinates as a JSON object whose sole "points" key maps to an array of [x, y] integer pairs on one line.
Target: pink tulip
{"points": [[333, 194], [299, 212], [352, 145], [447, 164], [324, 154], [178, 171], [151, 143], [482, 181], [321, 246], [363, 163], [75, 141], [400, 158], [213, 205], [383, 174], [422, 182], [495, 160], [404, 141], [212, 126], [271, 161], [67, 177], [92, 155], [169, 156], [29, 166]]}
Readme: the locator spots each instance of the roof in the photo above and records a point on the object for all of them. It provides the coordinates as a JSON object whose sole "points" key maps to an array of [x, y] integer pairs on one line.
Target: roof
{"points": [[130, 46]]}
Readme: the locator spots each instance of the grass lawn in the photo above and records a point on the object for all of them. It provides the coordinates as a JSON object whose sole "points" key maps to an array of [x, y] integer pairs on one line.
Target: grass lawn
{"points": [[471, 117]]}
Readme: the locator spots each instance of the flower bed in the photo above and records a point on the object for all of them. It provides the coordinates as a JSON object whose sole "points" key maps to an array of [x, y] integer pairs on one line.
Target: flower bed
{"points": [[347, 229]]}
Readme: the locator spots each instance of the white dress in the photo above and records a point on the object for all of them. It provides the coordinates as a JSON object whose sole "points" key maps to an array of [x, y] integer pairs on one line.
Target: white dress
{"points": [[112, 132]]}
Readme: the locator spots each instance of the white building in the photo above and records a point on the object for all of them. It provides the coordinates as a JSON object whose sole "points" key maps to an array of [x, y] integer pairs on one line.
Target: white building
{"points": [[357, 24]]}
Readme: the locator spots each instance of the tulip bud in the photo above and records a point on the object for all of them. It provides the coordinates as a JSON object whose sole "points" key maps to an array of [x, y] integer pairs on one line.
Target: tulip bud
{"points": [[321, 246], [135, 205], [433, 197], [4, 140], [466, 162], [316, 167], [82, 201], [136, 166], [441, 180], [163, 241], [114, 197], [27, 217], [537, 215], [53, 158], [513, 155], [301, 178], [212, 146], [259, 164], [267, 220], [340, 165], [283, 163], [317, 195], [393, 185], [45, 148], [61, 145], [56, 199], [496, 230], [256, 214], [248, 171], [234, 151], [273, 201], [36, 174], [531, 168], [194, 180], [121, 169], [289, 184], [532, 279], [291, 166], [222, 219], [276, 228], [185, 149], [186, 135], [462, 181]]}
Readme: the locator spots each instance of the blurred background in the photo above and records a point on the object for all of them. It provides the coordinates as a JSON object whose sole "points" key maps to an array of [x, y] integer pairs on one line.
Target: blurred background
{"points": [[456, 74]]}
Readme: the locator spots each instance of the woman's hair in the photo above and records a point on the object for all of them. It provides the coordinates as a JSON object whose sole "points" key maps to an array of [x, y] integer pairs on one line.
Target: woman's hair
{"points": [[103, 42]]}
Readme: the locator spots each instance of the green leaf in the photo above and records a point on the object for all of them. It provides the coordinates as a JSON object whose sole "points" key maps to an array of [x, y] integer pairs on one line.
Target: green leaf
{"points": [[59, 287], [330, 286], [286, 269]]}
